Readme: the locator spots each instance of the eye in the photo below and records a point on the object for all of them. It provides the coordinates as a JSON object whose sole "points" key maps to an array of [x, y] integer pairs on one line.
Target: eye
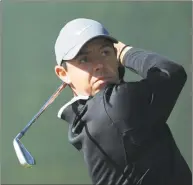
{"points": [[83, 60], [106, 52]]}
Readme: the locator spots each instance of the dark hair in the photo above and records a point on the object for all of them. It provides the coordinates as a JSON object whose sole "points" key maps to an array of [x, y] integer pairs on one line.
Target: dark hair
{"points": [[63, 64], [121, 70]]}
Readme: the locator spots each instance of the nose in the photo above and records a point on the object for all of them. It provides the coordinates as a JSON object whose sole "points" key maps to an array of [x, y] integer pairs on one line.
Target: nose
{"points": [[98, 64]]}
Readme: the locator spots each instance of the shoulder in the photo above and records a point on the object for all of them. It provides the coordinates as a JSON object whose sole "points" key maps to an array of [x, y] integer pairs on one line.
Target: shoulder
{"points": [[128, 92], [128, 87]]}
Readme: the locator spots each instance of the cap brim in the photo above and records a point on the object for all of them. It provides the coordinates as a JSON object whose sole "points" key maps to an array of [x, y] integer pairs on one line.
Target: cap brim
{"points": [[75, 50]]}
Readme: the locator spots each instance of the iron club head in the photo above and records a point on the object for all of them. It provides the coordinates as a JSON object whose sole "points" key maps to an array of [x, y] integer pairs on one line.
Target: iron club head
{"points": [[23, 155]]}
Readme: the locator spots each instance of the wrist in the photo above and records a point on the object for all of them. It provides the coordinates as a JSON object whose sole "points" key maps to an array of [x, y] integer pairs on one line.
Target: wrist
{"points": [[123, 52]]}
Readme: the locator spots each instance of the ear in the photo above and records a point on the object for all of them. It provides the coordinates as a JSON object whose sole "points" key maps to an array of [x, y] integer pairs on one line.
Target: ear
{"points": [[62, 74]]}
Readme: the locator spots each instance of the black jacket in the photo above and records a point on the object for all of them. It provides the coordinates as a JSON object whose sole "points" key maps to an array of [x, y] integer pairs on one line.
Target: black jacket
{"points": [[122, 130]]}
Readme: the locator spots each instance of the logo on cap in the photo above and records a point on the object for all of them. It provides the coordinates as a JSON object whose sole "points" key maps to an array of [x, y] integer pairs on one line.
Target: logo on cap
{"points": [[81, 30]]}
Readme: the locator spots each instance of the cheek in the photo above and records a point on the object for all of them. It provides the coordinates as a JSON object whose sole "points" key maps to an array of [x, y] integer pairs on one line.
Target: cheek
{"points": [[79, 75], [113, 64], [87, 69]]}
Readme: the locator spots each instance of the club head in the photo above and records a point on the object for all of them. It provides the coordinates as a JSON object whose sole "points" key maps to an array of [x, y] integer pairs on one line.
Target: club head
{"points": [[24, 157]]}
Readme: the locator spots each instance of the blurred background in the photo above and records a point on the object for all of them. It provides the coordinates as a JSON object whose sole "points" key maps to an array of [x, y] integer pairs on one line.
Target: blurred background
{"points": [[29, 33]]}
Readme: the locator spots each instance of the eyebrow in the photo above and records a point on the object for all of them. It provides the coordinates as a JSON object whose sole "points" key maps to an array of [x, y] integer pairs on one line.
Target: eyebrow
{"points": [[105, 45], [84, 52]]}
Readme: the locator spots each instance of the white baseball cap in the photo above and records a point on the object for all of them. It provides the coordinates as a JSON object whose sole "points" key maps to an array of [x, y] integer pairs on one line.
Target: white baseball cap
{"points": [[75, 34]]}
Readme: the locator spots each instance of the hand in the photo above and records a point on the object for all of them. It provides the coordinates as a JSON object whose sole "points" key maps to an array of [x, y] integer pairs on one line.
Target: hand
{"points": [[119, 46]]}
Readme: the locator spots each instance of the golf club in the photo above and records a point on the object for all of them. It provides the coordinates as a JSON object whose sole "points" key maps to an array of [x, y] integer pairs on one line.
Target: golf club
{"points": [[24, 156]]}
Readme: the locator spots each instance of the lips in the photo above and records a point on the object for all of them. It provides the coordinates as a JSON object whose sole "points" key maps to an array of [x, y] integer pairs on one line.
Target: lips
{"points": [[101, 80]]}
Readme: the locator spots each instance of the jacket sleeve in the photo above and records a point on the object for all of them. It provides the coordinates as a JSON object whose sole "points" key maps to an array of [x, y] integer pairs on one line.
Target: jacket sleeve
{"points": [[162, 80]]}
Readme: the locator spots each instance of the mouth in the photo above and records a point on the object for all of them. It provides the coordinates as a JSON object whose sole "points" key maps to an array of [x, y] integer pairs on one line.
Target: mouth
{"points": [[102, 80]]}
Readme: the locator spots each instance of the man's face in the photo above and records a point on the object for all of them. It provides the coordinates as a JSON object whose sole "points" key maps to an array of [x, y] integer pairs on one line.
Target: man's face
{"points": [[94, 66]]}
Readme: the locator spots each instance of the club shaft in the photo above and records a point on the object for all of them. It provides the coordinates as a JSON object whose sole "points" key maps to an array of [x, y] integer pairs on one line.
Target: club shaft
{"points": [[43, 108]]}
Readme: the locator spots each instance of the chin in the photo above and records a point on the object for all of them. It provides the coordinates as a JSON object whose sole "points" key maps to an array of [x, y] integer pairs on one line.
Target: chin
{"points": [[100, 85]]}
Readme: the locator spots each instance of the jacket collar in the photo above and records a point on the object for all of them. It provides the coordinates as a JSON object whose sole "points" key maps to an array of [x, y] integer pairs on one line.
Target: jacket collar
{"points": [[73, 100], [67, 113]]}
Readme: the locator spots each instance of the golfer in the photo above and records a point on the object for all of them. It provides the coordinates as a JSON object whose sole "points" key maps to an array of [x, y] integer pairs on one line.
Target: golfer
{"points": [[120, 126]]}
